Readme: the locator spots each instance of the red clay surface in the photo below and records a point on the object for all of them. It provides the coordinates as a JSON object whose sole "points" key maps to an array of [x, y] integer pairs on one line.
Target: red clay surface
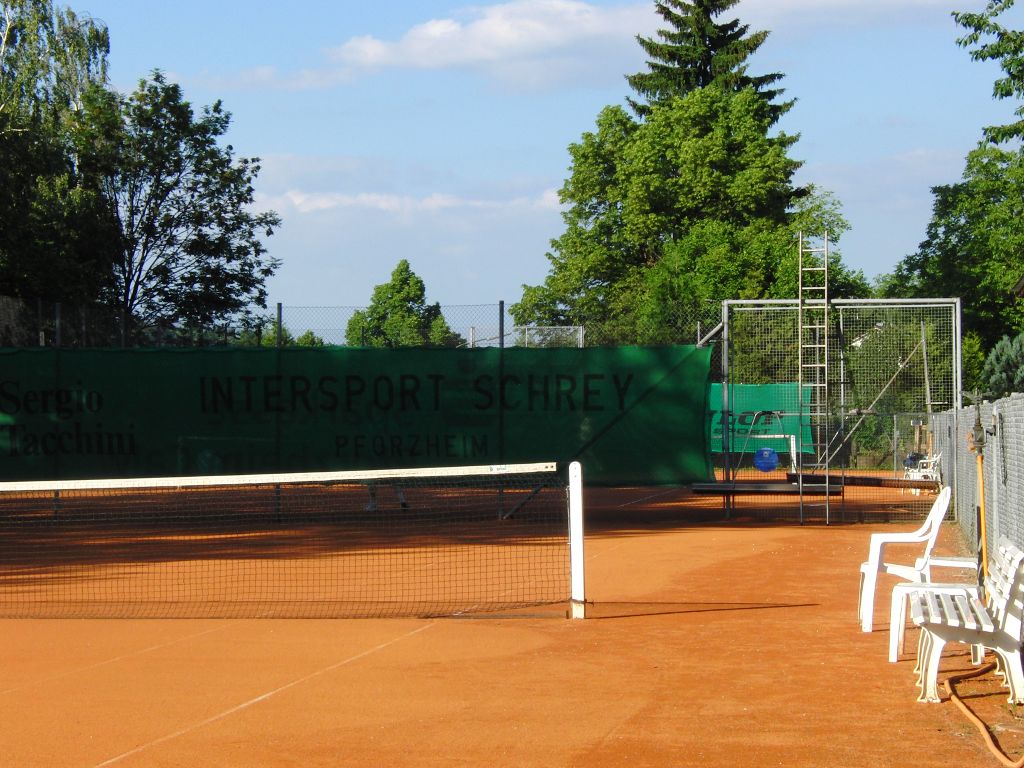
{"points": [[708, 644]]}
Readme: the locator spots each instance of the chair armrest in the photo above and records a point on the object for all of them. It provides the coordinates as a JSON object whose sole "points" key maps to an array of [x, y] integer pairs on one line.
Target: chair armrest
{"points": [[949, 562]]}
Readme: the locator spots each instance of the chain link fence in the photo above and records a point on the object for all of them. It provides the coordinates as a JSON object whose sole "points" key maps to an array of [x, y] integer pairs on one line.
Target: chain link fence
{"points": [[40, 323], [999, 429], [894, 386], [890, 367]]}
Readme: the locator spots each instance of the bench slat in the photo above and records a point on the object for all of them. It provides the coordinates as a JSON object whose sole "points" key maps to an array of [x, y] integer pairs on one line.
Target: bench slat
{"points": [[950, 612], [917, 608], [987, 625], [954, 610], [933, 608]]}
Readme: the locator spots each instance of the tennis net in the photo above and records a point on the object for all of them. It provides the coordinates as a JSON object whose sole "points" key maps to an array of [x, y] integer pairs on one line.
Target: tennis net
{"points": [[422, 542]]}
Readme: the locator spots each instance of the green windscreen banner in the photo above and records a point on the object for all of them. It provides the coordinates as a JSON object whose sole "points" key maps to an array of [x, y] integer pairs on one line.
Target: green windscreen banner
{"points": [[631, 415], [763, 416]]}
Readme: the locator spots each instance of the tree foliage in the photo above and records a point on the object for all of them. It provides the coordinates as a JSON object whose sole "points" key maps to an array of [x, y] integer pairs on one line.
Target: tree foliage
{"points": [[976, 233], [128, 201], [56, 239], [995, 42], [190, 249], [694, 52], [49, 57], [693, 205], [691, 202], [973, 245], [399, 316], [263, 332], [1004, 367]]}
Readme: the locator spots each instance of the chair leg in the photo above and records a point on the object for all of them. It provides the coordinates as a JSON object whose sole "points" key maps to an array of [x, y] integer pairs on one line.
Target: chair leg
{"points": [[1014, 675], [903, 623], [860, 596], [897, 623], [930, 669], [866, 603], [977, 654], [923, 643]]}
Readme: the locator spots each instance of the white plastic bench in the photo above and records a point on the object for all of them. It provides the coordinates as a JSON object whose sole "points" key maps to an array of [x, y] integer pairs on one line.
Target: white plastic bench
{"points": [[901, 595], [994, 624]]}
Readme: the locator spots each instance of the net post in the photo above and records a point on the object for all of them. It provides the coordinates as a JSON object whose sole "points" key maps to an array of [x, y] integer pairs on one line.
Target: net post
{"points": [[577, 593]]}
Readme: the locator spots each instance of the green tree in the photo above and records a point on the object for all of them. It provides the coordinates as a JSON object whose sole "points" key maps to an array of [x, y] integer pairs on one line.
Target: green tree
{"points": [[309, 339], [691, 203], [190, 249], [399, 316], [49, 57], [262, 332], [972, 356], [691, 206], [1004, 367], [976, 233], [973, 245], [995, 42], [57, 241], [695, 52]]}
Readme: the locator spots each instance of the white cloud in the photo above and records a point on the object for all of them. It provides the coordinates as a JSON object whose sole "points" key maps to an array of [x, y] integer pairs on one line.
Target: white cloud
{"points": [[817, 6], [470, 250], [834, 13], [507, 34], [549, 199], [526, 43], [303, 202]]}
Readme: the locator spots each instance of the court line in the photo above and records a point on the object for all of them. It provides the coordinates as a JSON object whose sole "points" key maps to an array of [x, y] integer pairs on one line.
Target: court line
{"points": [[113, 660], [647, 498], [262, 697]]}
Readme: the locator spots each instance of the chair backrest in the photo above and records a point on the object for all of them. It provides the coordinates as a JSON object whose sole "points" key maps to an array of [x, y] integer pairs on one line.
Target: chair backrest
{"points": [[934, 520], [928, 469], [1004, 588]]}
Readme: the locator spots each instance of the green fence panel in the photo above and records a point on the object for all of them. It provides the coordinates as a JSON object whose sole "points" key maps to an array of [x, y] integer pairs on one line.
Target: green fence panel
{"points": [[630, 414], [759, 410]]}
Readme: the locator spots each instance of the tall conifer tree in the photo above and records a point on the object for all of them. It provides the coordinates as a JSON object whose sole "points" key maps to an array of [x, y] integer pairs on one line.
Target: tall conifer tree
{"points": [[695, 52]]}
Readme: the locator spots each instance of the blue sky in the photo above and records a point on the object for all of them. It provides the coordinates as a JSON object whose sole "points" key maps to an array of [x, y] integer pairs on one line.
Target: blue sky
{"points": [[438, 131]]}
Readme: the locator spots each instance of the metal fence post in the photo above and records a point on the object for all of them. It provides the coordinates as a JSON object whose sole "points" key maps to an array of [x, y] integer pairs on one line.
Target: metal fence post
{"points": [[501, 376]]}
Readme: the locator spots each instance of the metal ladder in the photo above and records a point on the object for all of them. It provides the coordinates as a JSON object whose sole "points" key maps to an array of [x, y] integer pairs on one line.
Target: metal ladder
{"points": [[813, 345]]}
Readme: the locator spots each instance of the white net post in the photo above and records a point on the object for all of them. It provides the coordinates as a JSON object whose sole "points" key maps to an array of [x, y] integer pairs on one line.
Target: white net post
{"points": [[577, 591]]}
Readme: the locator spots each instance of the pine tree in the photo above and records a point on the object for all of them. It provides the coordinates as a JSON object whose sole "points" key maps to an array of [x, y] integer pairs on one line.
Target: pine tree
{"points": [[1004, 369], [695, 52]]}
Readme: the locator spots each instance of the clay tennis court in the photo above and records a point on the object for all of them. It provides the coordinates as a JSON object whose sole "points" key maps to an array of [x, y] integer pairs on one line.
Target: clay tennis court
{"points": [[710, 643]]}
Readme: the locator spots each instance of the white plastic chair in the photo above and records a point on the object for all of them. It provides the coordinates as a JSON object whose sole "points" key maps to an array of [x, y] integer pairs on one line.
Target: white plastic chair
{"points": [[919, 572], [926, 469]]}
